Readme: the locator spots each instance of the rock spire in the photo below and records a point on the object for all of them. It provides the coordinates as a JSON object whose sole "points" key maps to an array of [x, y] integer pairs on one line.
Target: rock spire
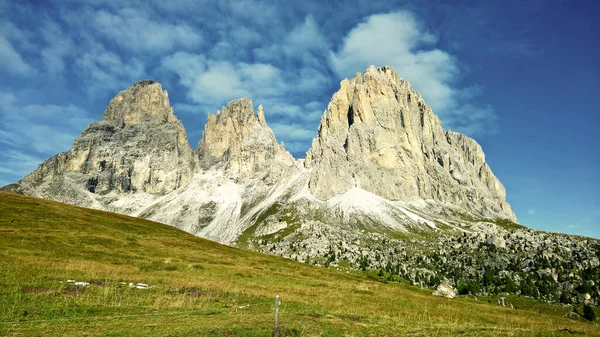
{"points": [[239, 138]]}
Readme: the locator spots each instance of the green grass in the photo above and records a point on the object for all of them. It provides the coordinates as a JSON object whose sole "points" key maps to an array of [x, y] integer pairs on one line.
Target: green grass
{"points": [[198, 287], [506, 224]]}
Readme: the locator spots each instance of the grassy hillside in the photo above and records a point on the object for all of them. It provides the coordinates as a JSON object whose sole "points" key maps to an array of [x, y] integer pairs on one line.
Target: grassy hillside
{"points": [[201, 288]]}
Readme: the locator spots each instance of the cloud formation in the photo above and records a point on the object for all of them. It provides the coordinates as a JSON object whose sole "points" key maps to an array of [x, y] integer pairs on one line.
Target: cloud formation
{"points": [[11, 61], [140, 30]]}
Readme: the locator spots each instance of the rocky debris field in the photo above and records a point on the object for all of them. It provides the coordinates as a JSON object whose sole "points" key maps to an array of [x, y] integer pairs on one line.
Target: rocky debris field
{"points": [[484, 259]]}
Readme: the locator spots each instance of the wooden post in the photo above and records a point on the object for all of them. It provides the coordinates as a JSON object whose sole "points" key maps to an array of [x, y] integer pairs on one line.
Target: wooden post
{"points": [[276, 330], [502, 299]]}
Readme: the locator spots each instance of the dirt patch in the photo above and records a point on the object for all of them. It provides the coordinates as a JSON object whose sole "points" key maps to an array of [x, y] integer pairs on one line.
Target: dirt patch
{"points": [[320, 285], [73, 290], [196, 292], [570, 332], [221, 333], [35, 290]]}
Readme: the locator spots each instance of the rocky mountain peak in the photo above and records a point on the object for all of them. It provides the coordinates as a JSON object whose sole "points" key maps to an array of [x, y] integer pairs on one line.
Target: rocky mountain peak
{"points": [[378, 134], [380, 157], [138, 146], [239, 138], [141, 102]]}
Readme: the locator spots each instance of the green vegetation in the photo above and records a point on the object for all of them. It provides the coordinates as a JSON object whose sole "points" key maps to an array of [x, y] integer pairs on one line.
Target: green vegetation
{"points": [[506, 224], [287, 215], [589, 313], [201, 288]]}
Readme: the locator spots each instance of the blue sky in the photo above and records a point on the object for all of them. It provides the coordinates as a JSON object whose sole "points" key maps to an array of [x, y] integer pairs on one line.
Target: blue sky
{"points": [[522, 80]]}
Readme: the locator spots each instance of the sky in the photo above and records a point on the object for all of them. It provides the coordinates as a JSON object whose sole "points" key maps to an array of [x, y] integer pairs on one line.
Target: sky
{"points": [[522, 80]]}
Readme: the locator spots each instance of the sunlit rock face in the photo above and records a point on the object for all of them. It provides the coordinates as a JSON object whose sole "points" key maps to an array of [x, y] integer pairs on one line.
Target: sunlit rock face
{"points": [[378, 134], [381, 159], [138, 146], [238, 138]]}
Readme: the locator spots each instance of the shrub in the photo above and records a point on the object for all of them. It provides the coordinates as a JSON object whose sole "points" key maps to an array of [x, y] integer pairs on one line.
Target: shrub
{"points": [[470, 287], [589, 313], [565, 298]]}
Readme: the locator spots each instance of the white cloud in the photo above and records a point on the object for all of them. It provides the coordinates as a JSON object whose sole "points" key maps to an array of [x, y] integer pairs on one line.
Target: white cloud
{"points": [[258, 12], [310, 80], [58, 47], [44, 129], [31, 133], [304, 38], [11, 61], [531, 212], [136, 29], [70, 114], [293, 131], [400, 40], [101, 70], [7, 100], [471, 120], [187, 66], [191, 109], [20, 38], [387, 38], [226, 81], [244, 36], [16, 165], [308, 114], [216, 82], [220, 82]]}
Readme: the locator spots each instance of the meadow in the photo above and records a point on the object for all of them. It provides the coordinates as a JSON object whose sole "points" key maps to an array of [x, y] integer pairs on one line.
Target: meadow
{"points": [[197, 287]]}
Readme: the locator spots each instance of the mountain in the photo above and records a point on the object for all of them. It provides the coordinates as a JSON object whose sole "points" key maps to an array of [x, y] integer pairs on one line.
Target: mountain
{"points": [[383, 187], [378, 134], [139, 146], [380, 151]]}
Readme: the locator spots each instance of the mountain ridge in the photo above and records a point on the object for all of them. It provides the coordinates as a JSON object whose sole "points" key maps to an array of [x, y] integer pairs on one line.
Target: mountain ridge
{"points": [[383, 188], [377, 135]]}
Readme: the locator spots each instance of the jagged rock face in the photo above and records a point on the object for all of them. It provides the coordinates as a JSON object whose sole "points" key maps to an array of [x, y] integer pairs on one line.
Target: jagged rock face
{"points": [[378, 134], [139, 145], [381, 160], [240, 139]]}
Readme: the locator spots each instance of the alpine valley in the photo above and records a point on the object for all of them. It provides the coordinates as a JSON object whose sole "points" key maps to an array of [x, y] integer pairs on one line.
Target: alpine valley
{"points": [[383, 189]]}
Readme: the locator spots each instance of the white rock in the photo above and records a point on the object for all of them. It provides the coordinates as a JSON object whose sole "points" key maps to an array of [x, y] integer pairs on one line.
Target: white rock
{"points": [[445, 290]]}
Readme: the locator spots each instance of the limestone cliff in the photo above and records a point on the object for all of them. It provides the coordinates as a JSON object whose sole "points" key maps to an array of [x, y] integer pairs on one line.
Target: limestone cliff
{"points": [[380, 159], [139, 145], [378, 134], [240, 139]]}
